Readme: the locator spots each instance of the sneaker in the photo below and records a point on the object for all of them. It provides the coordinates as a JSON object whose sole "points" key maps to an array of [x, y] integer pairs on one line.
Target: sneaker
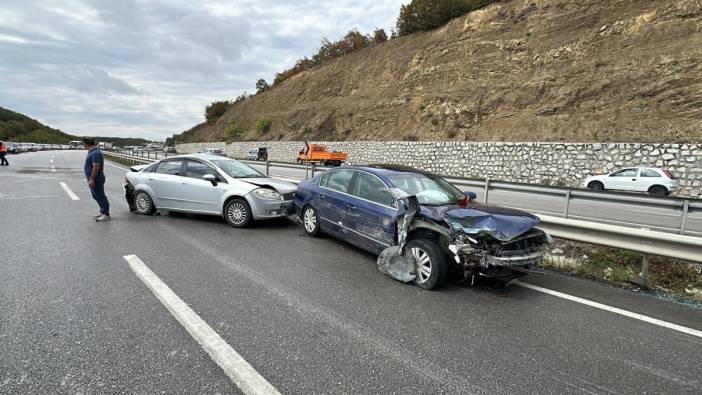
{"points": [[95, 217], [103, 218]]}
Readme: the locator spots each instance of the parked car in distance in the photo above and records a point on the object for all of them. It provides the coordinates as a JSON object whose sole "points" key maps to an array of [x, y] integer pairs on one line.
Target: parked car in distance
{"points": [[13, 148], [260, 153], [208, 184], [170, 150], [213, 151], [449, 230], [655, 181]]}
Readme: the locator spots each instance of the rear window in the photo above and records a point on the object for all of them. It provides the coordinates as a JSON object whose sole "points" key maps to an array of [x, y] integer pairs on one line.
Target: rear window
{"points": [[649, 173]]}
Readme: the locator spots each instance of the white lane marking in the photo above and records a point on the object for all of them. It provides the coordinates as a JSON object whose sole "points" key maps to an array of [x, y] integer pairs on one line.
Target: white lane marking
{"points": [[68, 191], [53, 169], [119, 167], [239, 371], [51, 160], [636, 316]]}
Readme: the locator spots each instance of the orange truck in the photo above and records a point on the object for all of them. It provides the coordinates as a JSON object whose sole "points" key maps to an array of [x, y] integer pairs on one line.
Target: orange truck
{"points": [[320, 154]]}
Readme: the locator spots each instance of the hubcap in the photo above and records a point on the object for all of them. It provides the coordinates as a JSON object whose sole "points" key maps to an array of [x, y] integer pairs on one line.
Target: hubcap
{"points": [[423, 264], [310, 220], [142, 203], [237, 213]]}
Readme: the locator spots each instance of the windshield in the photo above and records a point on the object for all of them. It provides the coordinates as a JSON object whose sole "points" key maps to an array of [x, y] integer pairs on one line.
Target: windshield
{"points": [[430, 190], [236, 169]]}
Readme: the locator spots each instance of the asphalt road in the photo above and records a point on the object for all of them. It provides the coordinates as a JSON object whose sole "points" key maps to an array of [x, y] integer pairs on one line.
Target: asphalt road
{"points": [[622, 213], [310, 315]]}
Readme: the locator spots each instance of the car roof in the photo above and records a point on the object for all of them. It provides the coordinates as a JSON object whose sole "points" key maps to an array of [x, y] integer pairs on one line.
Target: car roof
{"points": [[386, 169], [199, 156]]}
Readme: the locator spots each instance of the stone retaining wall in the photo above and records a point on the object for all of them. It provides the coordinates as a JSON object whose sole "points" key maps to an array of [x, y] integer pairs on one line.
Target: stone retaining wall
{"points": [[563, 164]]}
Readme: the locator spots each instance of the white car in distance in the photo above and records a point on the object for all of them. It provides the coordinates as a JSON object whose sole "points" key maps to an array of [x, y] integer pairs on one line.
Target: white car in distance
{"points": [[655, 181]]}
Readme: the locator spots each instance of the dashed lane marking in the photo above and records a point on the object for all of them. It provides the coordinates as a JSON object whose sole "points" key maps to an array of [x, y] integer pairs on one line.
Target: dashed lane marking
{"points": [[68, 191], [239, 371], [636, 316]]}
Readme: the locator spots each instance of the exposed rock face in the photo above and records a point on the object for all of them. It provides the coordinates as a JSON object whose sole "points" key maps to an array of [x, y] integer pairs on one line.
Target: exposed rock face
{"points": [[565, 164], [522, 70]]}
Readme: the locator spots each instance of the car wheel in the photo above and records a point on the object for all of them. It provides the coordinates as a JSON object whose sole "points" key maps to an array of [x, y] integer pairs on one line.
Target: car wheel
{"points": [[432, 267], [310, 221], [596, 186], [658, 190], [237, 213], [143, 203]]}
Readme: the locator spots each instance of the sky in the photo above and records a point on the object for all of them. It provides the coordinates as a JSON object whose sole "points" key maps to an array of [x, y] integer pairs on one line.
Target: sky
{"points": [[141, 68]]}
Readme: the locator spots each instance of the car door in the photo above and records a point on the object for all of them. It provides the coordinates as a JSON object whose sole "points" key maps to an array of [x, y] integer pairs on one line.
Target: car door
{"points": [[165, 183], [197, 194], [332, 199], [624, 180], [369, 213]]}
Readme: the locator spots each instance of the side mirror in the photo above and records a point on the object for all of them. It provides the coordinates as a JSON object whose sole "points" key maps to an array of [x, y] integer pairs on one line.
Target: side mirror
{"points": [[211, 178], [471, 195]]}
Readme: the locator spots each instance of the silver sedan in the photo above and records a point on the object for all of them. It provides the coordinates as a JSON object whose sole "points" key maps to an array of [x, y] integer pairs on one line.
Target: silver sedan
{"points": [[208, 184]]}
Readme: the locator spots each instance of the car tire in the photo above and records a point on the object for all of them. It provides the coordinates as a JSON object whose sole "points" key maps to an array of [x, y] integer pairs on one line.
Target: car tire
{"points": [[143, 203], [237, 213], [432, 267], [658, 190], [596, 186], [310, 221]]}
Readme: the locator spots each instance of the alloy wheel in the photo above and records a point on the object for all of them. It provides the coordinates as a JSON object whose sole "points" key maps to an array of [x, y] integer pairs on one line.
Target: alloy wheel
{"points": [[142, 203], [310, 220], [423, 264], [237, 213]]}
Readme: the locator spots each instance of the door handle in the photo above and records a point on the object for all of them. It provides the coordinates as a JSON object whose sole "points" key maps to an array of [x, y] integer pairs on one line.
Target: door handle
{"points": [[351, 207], [633, 179], [322, 197]]}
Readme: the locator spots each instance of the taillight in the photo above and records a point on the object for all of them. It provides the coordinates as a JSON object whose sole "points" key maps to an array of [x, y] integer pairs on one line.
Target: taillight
{"points": [[667, 173]]}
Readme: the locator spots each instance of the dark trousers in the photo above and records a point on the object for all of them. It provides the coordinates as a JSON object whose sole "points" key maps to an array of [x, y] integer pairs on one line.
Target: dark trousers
{"points": [[3, 161], [98, 192]]}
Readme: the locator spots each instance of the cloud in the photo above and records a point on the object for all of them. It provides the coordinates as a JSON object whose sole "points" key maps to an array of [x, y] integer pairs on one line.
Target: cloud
{"points": [[148, 68]]}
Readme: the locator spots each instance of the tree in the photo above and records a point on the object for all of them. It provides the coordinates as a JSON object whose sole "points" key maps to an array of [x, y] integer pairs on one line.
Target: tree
{"points": [[262, 86], [215, 110], [420, 15], [379, 36]]}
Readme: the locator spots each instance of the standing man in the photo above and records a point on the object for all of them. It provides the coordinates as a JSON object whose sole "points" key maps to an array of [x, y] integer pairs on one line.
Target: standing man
{"points": [[94, 165], [3, 153]]}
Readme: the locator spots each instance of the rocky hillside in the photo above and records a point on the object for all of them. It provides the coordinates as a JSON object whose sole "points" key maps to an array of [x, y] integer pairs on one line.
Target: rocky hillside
{"points": [[521, 70]]}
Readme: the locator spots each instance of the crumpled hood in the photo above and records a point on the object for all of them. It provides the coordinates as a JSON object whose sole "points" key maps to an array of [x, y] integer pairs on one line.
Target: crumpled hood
{"points": [[499, 222], [279, 185]]}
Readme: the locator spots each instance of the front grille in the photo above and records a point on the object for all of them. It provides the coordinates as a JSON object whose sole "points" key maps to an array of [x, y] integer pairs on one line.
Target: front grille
{"points": [[527, 244], [289, 196]]}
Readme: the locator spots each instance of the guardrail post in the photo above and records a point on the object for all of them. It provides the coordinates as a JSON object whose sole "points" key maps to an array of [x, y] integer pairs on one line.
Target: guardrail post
{"points": [[643, 276], [567, 204], [268, 168], [313, 167], [487, 189], [683, 221], [307, 170]]}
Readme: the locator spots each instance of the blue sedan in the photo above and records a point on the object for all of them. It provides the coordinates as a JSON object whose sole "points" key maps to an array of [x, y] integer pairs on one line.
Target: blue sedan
{"points": [[449, 230]]}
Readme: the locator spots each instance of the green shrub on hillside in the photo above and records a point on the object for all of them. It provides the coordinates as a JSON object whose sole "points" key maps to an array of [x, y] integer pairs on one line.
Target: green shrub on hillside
{"points": [[263, 125], [421, 15], [233, 131], [215, 110]]}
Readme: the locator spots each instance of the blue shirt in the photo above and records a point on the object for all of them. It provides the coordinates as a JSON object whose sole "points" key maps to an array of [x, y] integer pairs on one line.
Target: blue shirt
{"points": [[94, 156]]}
